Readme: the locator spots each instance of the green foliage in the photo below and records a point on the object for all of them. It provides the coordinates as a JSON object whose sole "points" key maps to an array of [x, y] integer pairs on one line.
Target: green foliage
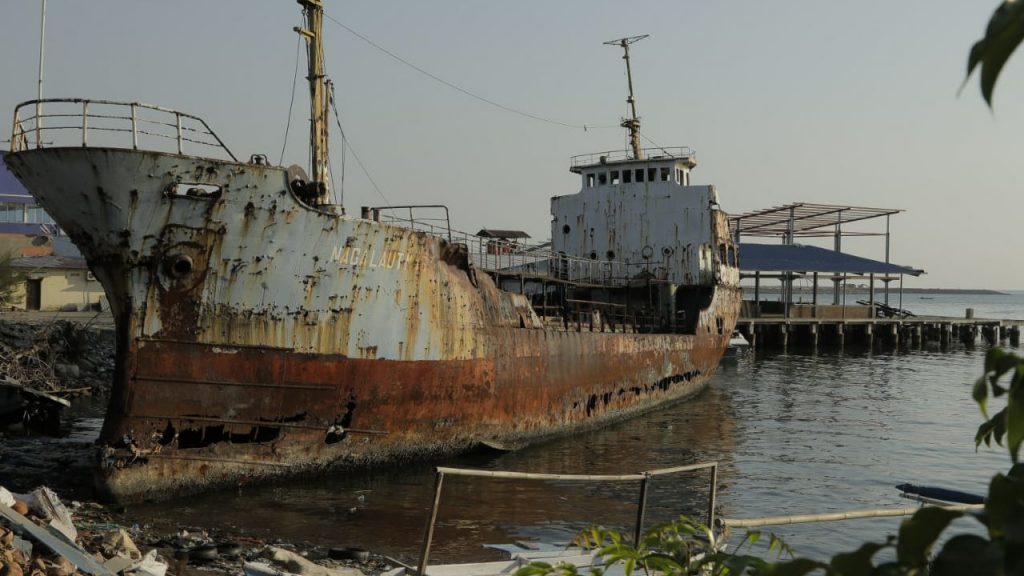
{"points": [[686, 547], [1004, 33], [1008, 422], [677, 548], [11, 279]]}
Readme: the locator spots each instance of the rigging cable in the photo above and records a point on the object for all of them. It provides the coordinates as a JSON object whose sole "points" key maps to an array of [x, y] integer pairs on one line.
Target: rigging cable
{"points": [[295, 83], [348, 145], [656, 145], [458, 88]]}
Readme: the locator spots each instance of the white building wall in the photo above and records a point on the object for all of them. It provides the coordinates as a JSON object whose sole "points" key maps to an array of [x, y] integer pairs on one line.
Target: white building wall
{"points": [[61, 288]]}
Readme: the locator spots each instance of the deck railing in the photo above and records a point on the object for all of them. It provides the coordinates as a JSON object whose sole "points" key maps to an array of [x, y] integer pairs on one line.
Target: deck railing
{"points": [[105, 123], [677, 152], [514, 259]]}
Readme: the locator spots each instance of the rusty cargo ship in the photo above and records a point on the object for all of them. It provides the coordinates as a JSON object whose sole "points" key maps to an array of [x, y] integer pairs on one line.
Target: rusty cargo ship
{"points": [[263, 332]]}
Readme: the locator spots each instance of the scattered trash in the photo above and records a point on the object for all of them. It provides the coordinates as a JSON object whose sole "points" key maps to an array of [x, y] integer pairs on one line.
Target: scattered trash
{"points": [[55, 541], [293, 563], [45, 504], [88, 539], [41, 517]]}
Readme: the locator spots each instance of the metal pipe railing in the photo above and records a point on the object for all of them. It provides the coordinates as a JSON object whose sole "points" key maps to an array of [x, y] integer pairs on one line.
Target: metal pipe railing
{"points": [[643, 477], [132, 122], [835, 516]]}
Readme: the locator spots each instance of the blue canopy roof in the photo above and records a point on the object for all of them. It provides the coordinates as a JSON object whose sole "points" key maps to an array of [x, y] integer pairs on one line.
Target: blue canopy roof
{"points": [[798, 258], [11, 189]]}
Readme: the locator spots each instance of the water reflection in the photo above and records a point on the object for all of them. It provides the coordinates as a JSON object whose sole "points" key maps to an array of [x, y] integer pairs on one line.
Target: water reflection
{"points": [[386, 510]]}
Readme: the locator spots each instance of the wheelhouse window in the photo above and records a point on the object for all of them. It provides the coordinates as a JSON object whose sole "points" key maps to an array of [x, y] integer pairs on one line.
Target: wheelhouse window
{"points": [[627, 176], [652, 174], [664, 174], [639, 174], [590, 180], [615, 177], [602, 178]]}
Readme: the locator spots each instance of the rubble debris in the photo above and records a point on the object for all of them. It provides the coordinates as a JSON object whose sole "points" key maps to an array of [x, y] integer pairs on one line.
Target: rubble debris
{"points": [[53, 540], [45, 365], [108, 544]]}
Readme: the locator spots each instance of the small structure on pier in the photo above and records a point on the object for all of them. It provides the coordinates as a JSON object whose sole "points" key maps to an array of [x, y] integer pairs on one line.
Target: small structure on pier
{"points": [[789, 260]]}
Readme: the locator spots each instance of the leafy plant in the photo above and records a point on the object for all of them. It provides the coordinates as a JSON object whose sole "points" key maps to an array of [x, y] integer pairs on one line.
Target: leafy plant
{"points": [[682, 547], [1004, 33]]}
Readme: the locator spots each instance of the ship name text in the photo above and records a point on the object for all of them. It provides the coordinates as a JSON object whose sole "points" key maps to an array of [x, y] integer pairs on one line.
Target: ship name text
{"points": [[390, 259]]}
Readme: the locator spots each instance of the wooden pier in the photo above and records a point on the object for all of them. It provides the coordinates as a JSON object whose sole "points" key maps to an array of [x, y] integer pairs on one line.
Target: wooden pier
{"points": [[918, 332]]}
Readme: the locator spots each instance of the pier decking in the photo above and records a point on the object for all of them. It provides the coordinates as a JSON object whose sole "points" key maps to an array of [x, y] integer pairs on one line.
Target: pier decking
{"points": [[911, 332]]}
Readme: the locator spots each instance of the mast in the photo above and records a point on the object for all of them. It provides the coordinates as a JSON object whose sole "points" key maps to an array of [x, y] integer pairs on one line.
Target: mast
{"points": [[633, 122], [320, 94]]}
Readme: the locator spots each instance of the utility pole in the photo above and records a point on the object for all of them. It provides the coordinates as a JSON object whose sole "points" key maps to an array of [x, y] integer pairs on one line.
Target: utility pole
{"points": [[633, 122]]}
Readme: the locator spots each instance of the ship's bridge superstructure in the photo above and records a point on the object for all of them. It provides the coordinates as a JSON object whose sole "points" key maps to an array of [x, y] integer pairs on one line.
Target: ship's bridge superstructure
{"points": [[641, 209]]}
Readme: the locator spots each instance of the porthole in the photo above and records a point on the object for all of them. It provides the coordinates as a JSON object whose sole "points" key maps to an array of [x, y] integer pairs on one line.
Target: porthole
{"points": [[566, 229], [179, 266], [593, 255], [610, 254]]}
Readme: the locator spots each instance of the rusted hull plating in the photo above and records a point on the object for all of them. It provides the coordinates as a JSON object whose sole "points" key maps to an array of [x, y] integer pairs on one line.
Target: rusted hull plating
{"points": [[258, 337]]}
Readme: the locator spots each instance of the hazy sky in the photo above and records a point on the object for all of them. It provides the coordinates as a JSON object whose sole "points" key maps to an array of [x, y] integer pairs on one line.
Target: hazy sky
{"points": [[830, 102]]}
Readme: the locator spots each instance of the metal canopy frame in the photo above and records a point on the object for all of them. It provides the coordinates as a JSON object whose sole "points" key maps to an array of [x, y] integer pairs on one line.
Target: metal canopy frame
{"points": [[811, 220], [804, 219]]}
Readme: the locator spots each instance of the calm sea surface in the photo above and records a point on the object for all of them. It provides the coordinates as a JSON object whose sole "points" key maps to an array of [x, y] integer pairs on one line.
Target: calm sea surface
{"points": [[796, 433]]}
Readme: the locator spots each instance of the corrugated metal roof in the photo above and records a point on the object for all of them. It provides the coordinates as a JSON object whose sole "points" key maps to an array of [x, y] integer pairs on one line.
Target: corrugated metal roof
{"points": [[799, 258], [35, 262], [494, 233], [11, 189]]}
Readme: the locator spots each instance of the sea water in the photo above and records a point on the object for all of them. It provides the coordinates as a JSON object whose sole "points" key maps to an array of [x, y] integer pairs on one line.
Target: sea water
{"points": [[795, 433]]}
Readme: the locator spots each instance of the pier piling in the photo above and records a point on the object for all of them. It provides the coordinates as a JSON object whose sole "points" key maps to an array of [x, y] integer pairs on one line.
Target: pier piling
{"points": [[818, 332]]}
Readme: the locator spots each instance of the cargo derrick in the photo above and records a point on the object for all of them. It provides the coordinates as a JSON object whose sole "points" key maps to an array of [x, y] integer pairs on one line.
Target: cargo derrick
{"points": [[262, 332]]}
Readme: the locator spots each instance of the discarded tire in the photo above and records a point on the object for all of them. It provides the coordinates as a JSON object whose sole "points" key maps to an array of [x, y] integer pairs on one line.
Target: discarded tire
{"points": [[203, 553], [357, 554], [229, 549]]}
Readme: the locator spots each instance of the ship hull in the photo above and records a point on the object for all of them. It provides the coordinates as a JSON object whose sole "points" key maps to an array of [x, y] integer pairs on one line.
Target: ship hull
{"points": [[258, 337]]}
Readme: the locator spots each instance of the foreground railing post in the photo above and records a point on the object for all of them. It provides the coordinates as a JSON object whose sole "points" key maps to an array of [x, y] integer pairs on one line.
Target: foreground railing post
{"points": [[712, 494], [641, 510], [428, 534]]}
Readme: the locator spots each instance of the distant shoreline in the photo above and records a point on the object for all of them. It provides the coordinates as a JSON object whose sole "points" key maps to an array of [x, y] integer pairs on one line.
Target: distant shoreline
{"points": [[827, 289]]}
